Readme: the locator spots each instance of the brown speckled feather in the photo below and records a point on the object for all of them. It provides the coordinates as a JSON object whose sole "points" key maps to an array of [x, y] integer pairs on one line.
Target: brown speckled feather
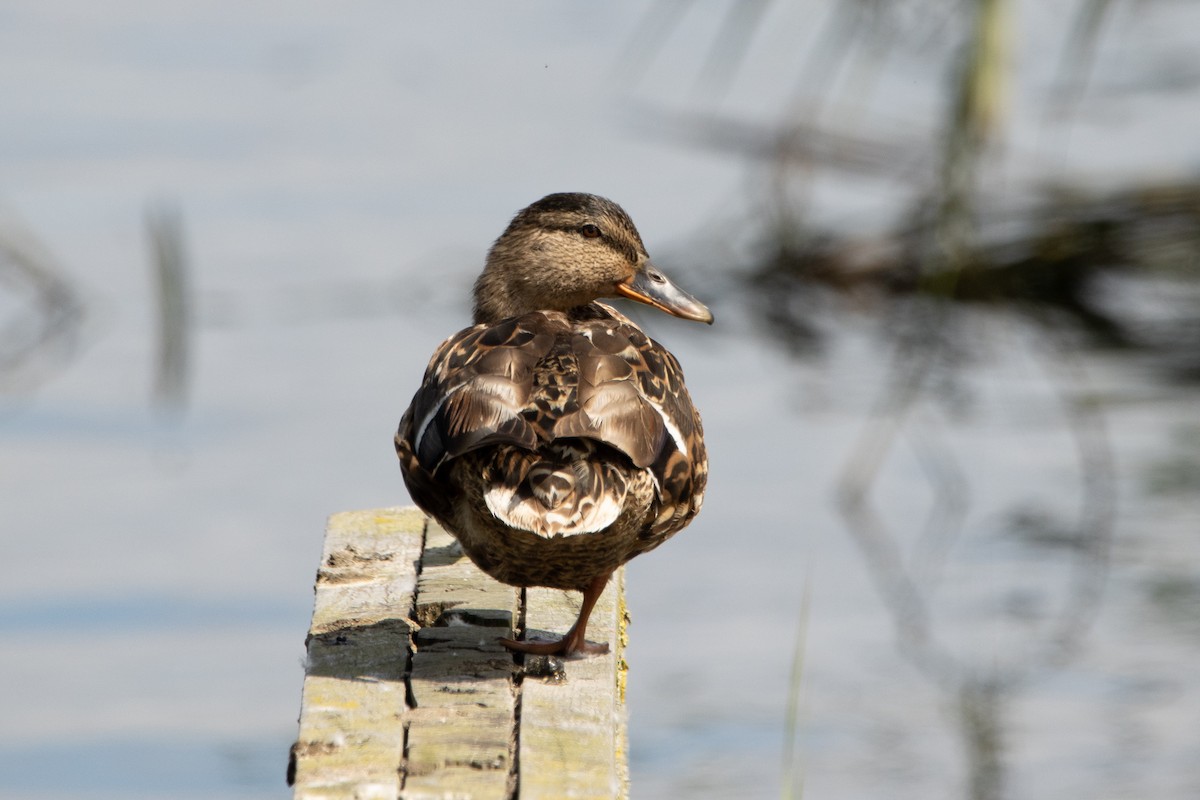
{"points": [[571, 421]]}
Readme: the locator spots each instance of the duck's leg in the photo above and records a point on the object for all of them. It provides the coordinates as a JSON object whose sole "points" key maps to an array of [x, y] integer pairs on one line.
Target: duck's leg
{"points": [[573, 641]]}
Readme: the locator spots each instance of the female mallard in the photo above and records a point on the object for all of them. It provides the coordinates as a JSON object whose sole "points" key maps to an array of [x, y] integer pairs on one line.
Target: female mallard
{"points": [[553, 438]]}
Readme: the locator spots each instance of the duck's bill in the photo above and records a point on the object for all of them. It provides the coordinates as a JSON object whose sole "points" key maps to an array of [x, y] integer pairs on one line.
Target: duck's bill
{"points": [[653, 288]]}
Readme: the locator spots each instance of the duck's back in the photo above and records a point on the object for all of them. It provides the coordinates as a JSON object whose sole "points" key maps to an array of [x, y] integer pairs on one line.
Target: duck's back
{"points": [[555, 426]]}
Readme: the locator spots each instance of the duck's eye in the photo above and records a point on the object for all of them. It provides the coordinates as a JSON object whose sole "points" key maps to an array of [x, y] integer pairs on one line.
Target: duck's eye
{"points": [[589, 231]]}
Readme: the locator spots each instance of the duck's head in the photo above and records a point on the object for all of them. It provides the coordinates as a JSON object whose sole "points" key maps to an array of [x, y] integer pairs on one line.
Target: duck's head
{"points": [[567, 250]]}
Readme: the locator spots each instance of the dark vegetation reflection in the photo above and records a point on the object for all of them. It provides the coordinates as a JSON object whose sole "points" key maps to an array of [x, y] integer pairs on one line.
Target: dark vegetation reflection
{"points": [[41, 310], [1075, 269]]}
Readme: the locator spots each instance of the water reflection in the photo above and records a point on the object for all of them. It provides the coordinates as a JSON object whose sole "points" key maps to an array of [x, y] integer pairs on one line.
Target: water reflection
{"points": [[1021, 569], [1045, 280], [1060, 268], [1120, 268]]}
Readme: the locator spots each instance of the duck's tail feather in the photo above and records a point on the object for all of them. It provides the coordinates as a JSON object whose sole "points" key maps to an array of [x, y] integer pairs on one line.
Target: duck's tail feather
{"points": [[569, 487]]}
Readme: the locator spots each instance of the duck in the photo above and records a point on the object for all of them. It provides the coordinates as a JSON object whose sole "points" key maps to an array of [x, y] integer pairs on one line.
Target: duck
{"points": [[554, 439]]}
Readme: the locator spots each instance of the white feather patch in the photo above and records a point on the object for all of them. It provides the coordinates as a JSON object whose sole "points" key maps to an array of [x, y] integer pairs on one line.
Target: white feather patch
{"points": [[528, 514]]}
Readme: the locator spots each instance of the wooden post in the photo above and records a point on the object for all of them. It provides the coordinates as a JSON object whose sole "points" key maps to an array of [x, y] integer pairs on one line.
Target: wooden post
{"points": [[408, 694]]}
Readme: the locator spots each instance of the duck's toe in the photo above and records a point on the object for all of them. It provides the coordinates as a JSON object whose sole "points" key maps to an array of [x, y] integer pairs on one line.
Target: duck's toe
{"points": [[568, 645]]}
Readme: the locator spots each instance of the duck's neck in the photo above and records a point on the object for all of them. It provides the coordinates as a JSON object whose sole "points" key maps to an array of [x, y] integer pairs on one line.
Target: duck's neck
{"points": [[500, 295], [494, 300]]}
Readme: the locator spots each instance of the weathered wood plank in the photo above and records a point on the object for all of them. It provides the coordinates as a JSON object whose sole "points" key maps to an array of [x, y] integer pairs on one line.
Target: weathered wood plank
{"points": [[353, 711], [572, 730], [408, 693], [462, 730]]}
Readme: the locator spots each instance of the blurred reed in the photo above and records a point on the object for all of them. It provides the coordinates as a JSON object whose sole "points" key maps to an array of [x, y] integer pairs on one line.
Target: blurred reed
{"points": [[793, 766], [169, 263]]}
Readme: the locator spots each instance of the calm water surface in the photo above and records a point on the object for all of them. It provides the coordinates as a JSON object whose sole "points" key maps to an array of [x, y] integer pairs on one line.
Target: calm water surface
{"points": [[340, 176]]}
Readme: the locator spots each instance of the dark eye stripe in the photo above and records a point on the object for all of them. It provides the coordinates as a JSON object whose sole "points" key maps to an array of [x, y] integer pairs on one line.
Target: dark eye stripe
{"points": [[624, 248]]}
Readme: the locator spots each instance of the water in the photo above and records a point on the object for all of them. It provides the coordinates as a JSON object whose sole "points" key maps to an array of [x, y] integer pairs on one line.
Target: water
{"points": [[340, 175]]}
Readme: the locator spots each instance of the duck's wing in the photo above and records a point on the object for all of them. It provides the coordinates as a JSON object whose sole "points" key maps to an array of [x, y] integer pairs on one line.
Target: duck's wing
{"points": [[681, 469], [476, 390], [632, 396]]}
